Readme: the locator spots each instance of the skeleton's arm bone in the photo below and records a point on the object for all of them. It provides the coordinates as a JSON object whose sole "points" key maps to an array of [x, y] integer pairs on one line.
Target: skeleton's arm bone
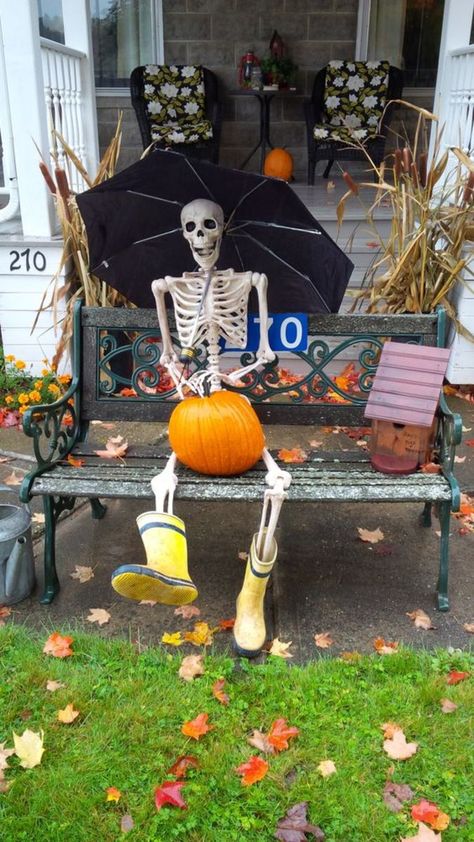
{"points": [[260, 282], [159, 288]]}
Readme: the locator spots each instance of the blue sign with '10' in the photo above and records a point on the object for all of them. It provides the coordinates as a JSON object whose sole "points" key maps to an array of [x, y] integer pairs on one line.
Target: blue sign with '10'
{"points": [[286, 332]]}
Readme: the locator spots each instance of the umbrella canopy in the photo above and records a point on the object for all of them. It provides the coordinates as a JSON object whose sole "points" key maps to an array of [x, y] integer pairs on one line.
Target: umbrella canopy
{"points": [[135, 236]]}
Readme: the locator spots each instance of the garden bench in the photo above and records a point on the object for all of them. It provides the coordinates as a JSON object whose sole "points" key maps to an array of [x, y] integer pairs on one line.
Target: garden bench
{"points": [[116, 349]]}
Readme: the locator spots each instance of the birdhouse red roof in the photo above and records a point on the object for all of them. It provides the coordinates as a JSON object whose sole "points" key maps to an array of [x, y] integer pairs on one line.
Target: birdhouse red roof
{"points": [[407, 383]]}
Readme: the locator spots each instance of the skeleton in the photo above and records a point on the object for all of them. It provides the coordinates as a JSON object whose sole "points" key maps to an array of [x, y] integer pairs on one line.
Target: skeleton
{"points": [[210, 304]]}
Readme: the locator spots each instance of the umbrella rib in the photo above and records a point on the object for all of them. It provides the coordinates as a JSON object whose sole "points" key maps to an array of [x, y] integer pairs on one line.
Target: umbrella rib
{"points": [[275, 225], [155, 198], [155, 236], [244, 197], [200, 179], [293, 268]]}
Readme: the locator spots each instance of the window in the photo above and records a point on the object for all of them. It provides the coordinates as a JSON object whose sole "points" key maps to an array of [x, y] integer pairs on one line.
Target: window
{"points": [[125, 34], [50, 14], [408, 34]]}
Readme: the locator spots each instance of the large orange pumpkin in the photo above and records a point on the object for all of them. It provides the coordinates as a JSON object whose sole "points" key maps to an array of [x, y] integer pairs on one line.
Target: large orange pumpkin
{"points": [[279, 163], [217, 435]]}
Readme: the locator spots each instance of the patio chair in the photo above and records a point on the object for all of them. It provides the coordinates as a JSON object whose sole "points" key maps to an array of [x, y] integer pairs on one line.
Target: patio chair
{"points": [[347, 108], [177, 107]]}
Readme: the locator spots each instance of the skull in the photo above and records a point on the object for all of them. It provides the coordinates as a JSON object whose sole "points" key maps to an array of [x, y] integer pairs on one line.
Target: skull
{"points": [[202, 222]]}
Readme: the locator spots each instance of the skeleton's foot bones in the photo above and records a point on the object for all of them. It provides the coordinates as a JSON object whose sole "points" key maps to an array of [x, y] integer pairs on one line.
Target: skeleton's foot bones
{"points": [[249, 628], [165, 577]]}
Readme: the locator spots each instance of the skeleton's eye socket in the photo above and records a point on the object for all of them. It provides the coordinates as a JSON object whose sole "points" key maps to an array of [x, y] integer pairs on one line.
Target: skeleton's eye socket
{"points": [[190, 226], [210, 224]]}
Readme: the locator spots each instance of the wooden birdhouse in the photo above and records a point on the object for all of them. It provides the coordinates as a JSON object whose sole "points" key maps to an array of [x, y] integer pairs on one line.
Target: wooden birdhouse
{"points": [[402, 405]]}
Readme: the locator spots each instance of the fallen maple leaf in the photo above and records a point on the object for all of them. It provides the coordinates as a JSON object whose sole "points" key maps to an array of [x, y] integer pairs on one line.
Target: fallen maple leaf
{"points": [[447, 706], [38, 517], [421, 620], [459, 459], [5, 753], [191, 666], [173, 639], [225, 625], [315, 443], [430, 468], [182, 764], [280, 732], [115, 448], [243, 556], [371, 537], [469, 442], [74, 461], [385, 647], [170, 793], [253, 770], [218, 691], [4, 612], [455, 677], [280, 649], [428, 813], [294, 826], [13, 479], [67, 714], [83, 574], [260, 740], [469, 627], [58, 646], [98, 615], [323, 640], [296, 454], [187, 611], [201, 634], [397, 747], [52, 686], [195, 728], [112, 794], [126, 823], [326, 768], [395, 795], [148, 602], [29, 748]]}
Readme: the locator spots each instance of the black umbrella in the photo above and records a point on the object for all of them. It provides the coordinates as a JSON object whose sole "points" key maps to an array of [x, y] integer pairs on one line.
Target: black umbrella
{"points": [[134, 232]]}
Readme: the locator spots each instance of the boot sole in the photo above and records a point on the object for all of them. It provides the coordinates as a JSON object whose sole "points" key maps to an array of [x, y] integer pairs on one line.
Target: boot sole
{"points": [[136, 581], [245, 653]]}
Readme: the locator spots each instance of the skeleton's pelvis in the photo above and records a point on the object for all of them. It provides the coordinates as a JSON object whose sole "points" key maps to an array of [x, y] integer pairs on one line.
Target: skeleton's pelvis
{"points": [[219, 435]]}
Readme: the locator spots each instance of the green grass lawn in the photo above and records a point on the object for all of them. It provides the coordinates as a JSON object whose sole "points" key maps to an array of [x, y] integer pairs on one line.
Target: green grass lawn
{"points": [[132, 706]]}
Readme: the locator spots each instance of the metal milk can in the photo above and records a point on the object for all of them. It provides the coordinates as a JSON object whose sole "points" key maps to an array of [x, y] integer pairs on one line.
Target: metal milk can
{"points": [[17, 572]]}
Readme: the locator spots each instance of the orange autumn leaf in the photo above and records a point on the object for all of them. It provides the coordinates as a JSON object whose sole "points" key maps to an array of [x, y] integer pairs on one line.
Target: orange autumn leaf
{"points": [[385, 647], [195, 728], [280, 732], [170, 793], [397, 747], [182, 764], [128, 393], [225, 625], [370, 536], [427, 812], [253, 770], [76, 463], [67, 714], [455, 677], [201, 634], [430, 468], [113, 794], [296, 454], [218, 691], [115, 448], [323, 640], [58, 646]]}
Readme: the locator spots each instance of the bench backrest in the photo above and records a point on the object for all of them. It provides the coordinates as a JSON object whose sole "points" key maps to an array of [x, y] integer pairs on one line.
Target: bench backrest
{"points": [[119, 351]]}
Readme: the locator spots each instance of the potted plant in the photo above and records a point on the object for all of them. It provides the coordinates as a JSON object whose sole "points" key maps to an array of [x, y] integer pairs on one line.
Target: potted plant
{"points": [[278, 70], [424, 260]]}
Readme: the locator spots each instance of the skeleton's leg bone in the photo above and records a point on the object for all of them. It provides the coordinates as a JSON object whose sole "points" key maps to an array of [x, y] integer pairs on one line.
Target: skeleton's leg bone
{"points": [[249, 629], [164, 578]]}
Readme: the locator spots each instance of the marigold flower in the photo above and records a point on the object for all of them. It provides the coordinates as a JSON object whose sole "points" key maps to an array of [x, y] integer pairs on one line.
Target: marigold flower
{"points": [[35, 395], [23, 409], [55, 390], [38, 384], [64, 379], [9, 358], [20, 364], [45, 372], [23, 398], [9, 399]]}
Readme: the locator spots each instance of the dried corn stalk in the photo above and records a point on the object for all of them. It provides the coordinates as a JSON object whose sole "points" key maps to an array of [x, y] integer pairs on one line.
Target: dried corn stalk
{"points": [[423, 257], [79, 282]]}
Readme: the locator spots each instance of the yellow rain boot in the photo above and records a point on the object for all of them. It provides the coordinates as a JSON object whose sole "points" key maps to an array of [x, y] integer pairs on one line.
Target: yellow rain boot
{"points": [[165, 577], [249, 628]]}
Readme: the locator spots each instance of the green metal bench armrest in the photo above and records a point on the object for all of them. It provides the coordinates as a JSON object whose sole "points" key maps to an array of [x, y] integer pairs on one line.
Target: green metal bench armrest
{"points": [[449, 436]]}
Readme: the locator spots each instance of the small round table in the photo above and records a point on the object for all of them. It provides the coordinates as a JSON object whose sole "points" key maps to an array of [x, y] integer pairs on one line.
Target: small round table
{"points": [[264, 97]]}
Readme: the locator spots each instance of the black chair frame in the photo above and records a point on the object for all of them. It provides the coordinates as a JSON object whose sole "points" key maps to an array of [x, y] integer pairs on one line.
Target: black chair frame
{"points": [[335, 150], [207, 150]]}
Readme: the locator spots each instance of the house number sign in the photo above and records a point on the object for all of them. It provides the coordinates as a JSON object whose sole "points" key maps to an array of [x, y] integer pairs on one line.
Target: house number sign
{"points": [[27, 260]]}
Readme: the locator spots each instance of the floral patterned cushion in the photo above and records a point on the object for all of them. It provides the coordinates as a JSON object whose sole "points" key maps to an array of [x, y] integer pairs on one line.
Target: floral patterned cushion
{"points": [[175, 101], [354, 100]]}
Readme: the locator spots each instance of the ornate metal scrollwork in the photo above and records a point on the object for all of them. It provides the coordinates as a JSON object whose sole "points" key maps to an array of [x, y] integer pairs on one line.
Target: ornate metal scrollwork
{"points": [[54, 428]]}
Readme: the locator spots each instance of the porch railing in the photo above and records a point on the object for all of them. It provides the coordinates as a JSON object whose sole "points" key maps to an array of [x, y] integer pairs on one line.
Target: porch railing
{"points": [[458, 106], [63, 93]]}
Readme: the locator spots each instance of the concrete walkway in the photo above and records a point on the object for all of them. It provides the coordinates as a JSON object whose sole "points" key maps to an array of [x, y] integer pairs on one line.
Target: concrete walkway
{"points": [[326, 579]]}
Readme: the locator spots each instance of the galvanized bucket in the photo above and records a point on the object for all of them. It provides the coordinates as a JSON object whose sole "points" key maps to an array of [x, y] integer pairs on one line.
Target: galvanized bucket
{"points": [[17, 571]]}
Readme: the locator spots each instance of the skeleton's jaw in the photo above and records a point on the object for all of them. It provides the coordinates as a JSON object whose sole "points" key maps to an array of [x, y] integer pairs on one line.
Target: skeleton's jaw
{"points": [[206, 256]]}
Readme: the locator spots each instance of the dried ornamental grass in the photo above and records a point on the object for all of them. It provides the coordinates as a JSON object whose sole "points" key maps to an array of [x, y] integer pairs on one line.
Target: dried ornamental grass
{"points": [[422, 259], [79, 282]]}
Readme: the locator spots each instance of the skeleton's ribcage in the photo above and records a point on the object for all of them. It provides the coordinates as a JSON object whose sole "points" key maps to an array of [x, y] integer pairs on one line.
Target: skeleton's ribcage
{"points": [[225, 306]]}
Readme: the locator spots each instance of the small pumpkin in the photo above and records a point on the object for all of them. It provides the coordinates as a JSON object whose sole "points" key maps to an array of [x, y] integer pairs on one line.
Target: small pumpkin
{"points": [[279, 163], [218, 435]]}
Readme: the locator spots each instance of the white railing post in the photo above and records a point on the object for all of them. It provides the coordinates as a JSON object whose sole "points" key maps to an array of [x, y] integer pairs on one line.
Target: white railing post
{"points": [[24, 79], [77, 34]]}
